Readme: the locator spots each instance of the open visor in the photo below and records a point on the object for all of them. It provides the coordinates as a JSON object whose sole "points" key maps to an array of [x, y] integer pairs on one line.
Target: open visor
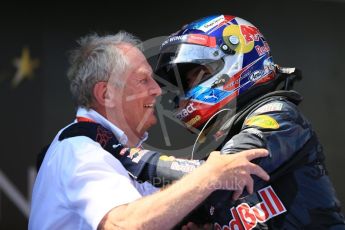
{"points": [[187, 53], [188, 65]]}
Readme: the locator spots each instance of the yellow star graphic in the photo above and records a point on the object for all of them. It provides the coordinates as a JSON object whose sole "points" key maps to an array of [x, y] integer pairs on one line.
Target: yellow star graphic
{"points": [[25, 67]]}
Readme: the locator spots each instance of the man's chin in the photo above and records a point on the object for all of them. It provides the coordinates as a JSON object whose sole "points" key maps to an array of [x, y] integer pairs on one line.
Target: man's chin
{"points": [[148, 124], [151, 122]]}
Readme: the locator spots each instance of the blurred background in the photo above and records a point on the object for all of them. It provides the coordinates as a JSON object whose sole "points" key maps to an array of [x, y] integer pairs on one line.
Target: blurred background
{"points": [[34, 93]]}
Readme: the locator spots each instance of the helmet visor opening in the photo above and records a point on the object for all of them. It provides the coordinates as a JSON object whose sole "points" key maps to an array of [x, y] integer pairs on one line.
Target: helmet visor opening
{"points": [[187, 53], [186, 76]]}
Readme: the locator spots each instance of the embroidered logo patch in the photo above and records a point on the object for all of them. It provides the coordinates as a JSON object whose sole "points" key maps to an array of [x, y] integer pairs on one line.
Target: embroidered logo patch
{"points": [[274, 106], [166, 158], [245, 217], [263, 121], [103, 136], [135, 154]]}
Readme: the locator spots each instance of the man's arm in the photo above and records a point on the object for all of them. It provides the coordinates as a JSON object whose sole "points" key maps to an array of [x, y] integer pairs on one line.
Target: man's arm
{"points": [[166, 208]]}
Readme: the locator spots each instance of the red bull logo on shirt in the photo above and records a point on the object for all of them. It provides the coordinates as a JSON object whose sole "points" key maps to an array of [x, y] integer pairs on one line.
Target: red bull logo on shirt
{"points": [[246, 217]]}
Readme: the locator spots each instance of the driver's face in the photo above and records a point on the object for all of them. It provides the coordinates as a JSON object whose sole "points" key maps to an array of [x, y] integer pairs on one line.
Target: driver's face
{"points": [[196, 75]]}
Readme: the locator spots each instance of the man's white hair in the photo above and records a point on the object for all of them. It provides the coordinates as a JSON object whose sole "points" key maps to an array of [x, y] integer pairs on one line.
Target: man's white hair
{"points": [[97, 59]]}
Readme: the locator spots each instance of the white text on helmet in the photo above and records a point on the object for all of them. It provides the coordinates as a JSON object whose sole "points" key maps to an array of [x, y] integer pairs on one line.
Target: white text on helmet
{"points": [[262, 49], [185, 112], [172, 39]]}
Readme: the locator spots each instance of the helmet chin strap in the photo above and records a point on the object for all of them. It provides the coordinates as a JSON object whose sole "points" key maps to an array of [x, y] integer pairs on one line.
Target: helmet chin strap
{"points": [[208, 121]]}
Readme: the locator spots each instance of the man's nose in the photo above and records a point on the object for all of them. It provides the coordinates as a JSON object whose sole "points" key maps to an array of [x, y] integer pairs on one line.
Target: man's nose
{"points": [[155, 89]]}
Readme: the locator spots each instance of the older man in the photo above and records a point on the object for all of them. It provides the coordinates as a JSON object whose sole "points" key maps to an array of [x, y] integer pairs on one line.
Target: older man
{"points": [[82, 186]]}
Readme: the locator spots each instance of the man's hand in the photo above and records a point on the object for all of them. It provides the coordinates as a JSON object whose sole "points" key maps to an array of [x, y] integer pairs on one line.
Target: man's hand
{"points": [[233, 172]]}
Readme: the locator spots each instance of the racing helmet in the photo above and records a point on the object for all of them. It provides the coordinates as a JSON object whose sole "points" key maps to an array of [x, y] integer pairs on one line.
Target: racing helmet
{"points": [[212, 63]]}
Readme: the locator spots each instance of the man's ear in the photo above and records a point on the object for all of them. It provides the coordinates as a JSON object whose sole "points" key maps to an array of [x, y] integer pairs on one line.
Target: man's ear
{"points": [[102, 94]]}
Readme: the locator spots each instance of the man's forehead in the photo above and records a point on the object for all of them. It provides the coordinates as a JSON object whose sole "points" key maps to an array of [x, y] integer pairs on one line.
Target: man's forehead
{"points": [[137, 62], [146, 70], [130, 50]]}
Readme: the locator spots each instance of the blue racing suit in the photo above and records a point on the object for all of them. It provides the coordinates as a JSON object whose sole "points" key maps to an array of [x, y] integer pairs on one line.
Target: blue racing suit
{"points": [[299, 194]]}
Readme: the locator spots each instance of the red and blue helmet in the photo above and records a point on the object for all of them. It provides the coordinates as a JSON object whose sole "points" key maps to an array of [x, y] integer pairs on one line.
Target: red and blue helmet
{"points": [[214, 62]]}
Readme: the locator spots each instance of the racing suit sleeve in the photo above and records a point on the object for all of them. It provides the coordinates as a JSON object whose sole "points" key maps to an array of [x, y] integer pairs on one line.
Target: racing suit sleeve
{"points": [[154, 167], [276, 125]]}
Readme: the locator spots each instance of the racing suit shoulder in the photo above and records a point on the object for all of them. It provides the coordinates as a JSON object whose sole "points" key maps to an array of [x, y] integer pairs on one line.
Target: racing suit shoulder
{"points": [[275, 124], [301, 188]]}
